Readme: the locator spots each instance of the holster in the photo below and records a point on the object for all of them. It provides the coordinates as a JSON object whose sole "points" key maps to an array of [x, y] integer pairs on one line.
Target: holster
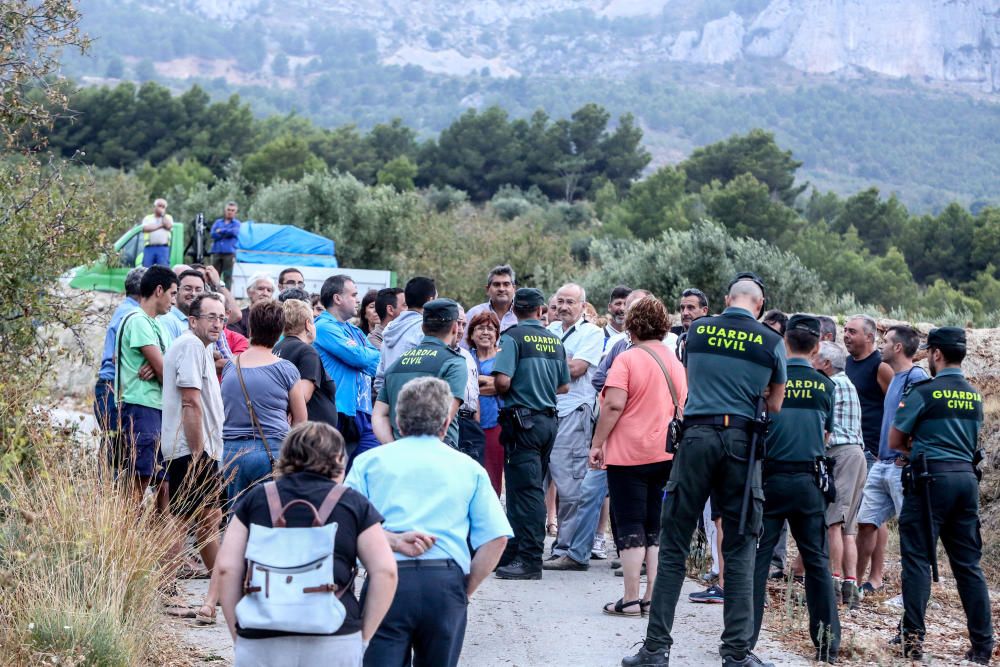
{"points": [[825, 480]]}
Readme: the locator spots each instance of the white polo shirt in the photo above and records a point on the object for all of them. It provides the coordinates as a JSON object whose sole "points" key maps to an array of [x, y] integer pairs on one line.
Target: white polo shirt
{"points": [[583, 341]]}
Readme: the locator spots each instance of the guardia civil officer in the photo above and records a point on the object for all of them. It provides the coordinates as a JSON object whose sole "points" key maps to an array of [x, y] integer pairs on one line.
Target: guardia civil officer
{"points": [[937, 426], [732, 360], [529, 371], [795, 474], [433, 357]]}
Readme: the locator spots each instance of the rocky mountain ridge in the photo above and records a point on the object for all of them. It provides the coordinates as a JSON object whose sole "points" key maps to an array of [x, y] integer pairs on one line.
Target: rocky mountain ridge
{"points": [[926, 40]]}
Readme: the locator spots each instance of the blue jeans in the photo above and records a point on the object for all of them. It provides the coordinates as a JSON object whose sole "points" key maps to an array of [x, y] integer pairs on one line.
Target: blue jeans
{"points": [[244, 463], [105, 406], [156, 254], [366, 436], [581, 531]]}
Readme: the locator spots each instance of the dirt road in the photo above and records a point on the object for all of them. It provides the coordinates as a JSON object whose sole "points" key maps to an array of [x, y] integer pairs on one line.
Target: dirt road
{"points": [[555, 622]]}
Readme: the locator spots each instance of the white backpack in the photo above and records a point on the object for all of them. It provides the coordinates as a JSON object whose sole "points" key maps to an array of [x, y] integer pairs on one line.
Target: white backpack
{"points": [[289, 583]]}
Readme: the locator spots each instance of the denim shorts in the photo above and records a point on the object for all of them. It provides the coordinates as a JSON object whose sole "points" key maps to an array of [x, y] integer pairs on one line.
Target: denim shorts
{"points": [[882, 498], [138, 447]]}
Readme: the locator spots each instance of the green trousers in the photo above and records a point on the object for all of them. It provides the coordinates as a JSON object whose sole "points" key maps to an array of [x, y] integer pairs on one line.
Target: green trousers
{"points": [[526, 458], [710, 460], [955, 519], [795, 497]]}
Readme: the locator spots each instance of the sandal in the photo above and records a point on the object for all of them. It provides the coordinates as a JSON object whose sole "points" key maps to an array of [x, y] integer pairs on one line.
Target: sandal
{"points": [[618, 608], [552, 528], [201, 619], [644, 606]]}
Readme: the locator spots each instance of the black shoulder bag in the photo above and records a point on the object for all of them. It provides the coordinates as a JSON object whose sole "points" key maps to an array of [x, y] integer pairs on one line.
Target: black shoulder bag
{"points": [[675, 428]]}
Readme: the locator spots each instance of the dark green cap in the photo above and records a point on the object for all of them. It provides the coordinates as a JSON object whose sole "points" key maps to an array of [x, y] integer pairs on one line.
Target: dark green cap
{"points": [[804, 323], [440, 310], [946, 337], [528, 297]]}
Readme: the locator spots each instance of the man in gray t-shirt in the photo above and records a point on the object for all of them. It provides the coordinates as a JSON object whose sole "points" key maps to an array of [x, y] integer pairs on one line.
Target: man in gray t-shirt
{"points": [[191, 436]]}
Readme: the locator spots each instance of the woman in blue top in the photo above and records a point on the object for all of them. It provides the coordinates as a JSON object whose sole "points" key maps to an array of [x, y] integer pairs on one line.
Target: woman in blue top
{"points": [[273, 390], [484, 332]]}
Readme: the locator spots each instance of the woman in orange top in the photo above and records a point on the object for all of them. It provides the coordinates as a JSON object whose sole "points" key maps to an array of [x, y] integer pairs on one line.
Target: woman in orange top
{"points": [[630, 441]]}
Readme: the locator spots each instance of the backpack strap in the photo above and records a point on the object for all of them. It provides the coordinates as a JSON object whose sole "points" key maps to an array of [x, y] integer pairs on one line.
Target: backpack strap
{"points": [[331, 500], [274, 504]]}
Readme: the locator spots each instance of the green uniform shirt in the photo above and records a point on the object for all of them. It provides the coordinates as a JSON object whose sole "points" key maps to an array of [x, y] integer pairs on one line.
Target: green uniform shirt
{"points": [[731, 358], [432, 358], [797, 432], [137, 331], [535, 361], [943, 416]]}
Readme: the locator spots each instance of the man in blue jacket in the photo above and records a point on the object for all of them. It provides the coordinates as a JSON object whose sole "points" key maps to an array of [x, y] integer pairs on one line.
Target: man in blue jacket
{"points": [[350, 360], [225, 237]]}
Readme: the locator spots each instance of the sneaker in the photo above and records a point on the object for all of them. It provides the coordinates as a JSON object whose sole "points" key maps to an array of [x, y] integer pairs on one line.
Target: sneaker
{"points": [[564, 563], [838, 592], [599, 551], [620, 572], [776, 573], [850, 595], [867, 589], [518, 570], [712, 594], [709, 578], [646, 658], [749, 660]]}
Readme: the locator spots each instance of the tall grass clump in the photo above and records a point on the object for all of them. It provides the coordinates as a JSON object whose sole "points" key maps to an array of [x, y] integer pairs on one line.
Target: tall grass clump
{"points": [[82, 569]]}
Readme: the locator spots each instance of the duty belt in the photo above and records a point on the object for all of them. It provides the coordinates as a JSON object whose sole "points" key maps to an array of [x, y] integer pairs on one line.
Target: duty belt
{"points": [[935, 467], [548, 412], [466, 413], [772, 467], [725, 421]]}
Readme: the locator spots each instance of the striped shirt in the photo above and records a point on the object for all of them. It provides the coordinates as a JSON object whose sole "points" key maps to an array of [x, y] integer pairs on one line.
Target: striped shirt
{"points": [[846, 413]]}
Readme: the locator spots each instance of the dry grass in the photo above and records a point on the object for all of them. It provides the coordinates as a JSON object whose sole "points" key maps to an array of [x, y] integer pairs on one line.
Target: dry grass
{"points": [[81, 569]]}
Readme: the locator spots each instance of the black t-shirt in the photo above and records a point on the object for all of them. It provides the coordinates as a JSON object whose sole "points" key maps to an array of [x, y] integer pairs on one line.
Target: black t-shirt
{"points": [[321, 406], [353, 515]]}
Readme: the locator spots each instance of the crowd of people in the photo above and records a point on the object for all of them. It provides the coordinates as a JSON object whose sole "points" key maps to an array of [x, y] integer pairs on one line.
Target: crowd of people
{"points": [[405, 420]]}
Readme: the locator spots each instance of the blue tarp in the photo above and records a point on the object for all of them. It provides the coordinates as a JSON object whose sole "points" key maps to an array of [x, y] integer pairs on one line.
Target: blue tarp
{"points": [[266, 243]]}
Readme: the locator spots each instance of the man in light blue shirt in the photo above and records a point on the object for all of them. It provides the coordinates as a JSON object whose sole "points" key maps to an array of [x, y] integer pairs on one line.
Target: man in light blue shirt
{"points": [[350, 361], [105, 406], [436, 502]]}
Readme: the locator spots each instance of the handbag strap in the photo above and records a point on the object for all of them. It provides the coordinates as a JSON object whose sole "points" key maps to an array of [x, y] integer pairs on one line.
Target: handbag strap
{"points": [[253, 414], [670, 383]]}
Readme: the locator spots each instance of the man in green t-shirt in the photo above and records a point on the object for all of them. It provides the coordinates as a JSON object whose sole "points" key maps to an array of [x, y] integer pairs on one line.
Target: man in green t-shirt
{"points": [[139, 350], [433, 357]]}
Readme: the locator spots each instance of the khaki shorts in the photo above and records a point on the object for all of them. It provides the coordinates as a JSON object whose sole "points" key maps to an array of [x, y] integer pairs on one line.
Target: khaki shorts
{"points": [[849, 474]]}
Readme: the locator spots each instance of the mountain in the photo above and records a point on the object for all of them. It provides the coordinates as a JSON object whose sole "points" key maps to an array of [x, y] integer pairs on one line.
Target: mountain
{"points": [[918, 80]]}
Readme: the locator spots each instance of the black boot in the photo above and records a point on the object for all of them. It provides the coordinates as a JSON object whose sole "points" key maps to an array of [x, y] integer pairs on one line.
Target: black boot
{"points": [[980, 656], [646, 658], [749, 660], [518, 570]]}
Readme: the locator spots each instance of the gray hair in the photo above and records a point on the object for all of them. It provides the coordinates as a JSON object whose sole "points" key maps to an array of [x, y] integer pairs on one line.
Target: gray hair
{"points": [[232, 203], [583, 292], [827, 325], [502, 270], [835, 354], [158, 200], [867, 323], [133, 280], [422, 406], [257, 277]]}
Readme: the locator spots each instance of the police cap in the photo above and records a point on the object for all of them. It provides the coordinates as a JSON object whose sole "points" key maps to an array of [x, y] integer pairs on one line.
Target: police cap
{"points": [[945, 337], [807, 323], [528, 297], [440, 310]]}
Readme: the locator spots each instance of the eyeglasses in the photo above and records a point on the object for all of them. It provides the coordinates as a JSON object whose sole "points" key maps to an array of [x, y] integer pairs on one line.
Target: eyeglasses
{"points": [[212, 318], [293, 283]]}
